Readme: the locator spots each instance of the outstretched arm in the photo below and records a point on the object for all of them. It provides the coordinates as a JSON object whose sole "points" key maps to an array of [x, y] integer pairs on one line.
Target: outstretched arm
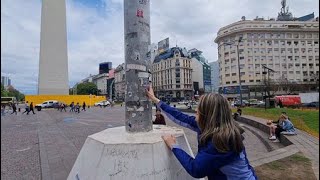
{"points": [[179, 118], [174, 114]]}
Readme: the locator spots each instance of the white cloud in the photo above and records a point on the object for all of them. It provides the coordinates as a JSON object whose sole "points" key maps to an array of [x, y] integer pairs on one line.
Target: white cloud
{"points": [[95, 33]]}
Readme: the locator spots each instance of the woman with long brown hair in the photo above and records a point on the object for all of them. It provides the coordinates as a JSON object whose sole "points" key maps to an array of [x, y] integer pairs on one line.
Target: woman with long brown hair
{"points": [[221, 153]]}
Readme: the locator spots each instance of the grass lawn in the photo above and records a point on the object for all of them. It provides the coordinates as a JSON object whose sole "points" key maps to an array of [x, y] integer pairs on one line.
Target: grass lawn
{"points": [[306, 119], [296, 166]]}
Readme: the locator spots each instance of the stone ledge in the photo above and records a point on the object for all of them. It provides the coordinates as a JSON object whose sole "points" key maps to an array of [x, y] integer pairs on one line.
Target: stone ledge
{"points": [[264, 128]]}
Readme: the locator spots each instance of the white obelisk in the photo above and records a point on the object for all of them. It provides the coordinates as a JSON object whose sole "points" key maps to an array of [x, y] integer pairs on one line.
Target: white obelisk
{"points": [[53, 65]]}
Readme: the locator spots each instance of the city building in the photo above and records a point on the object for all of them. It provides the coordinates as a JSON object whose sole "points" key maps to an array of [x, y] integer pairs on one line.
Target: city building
{"points": [[120, 83], [172, 75], [101, 81], [214, 76], [105, 67], [5, 81], [288, 46], [202, 77], [88, 79]]}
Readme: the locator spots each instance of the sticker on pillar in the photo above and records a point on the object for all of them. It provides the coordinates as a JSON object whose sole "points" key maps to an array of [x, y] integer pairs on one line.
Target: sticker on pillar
{"points": [[144, 2], [136, 56], [140, 13], [143, 75], [144, 82], [136, 67], [148, 54], [131, 35]]}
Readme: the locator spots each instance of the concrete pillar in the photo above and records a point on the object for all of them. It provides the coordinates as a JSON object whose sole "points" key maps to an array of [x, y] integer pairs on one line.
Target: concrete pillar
{"points": [[53, 65], [137, 65]]}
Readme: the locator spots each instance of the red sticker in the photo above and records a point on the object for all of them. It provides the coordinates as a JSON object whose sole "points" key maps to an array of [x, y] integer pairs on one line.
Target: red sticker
{"points": [[140, 13]]}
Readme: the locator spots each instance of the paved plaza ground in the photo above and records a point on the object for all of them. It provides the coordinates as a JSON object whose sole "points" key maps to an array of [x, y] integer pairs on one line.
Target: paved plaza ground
{"points": [[46, 145]]}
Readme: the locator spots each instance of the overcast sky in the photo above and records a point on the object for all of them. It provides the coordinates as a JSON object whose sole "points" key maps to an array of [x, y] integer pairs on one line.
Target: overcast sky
{"points": [[95, 31]]}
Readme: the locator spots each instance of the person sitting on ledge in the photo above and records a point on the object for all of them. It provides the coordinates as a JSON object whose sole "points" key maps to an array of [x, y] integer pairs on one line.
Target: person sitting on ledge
{"points": [[273, 125], [221, 152], [284, 125]]}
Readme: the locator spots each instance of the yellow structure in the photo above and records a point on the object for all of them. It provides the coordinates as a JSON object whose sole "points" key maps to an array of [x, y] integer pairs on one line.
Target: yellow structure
{"points": [[67, 99]]}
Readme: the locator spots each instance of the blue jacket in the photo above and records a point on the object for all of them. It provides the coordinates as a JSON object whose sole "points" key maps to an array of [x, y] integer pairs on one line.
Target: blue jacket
{"points": [[208, 162], [287, 125]]}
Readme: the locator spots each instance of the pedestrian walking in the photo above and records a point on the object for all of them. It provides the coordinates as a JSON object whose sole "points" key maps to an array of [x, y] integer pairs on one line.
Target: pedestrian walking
{"points": [[63, 106], [77, 108], [83, 106], [3, 108], [31, 108], [72, 107], [59, 106], [14, 108], [26, 107]]}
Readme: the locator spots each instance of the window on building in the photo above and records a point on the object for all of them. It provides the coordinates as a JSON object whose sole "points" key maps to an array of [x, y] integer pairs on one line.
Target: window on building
{"points": [[228, 82], [234, 82]]}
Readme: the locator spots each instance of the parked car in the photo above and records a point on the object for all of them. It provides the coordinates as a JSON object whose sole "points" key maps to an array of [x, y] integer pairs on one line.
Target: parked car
{"points": [[312, 104], [102, 103], [244, 103], [182, 102], [254, 102], [46, 104]]}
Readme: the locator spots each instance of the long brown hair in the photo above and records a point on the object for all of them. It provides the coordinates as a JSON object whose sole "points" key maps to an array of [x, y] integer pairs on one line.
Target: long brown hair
{"points": [[216, 123]]}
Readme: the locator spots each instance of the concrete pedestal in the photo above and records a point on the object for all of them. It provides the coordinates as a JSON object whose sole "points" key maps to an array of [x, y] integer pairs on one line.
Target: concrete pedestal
{"points": [[116, 154]]}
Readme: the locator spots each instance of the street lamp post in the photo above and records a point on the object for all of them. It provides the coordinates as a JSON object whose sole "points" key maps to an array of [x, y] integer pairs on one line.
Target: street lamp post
{"points": [[240, 84], [238, 56], [267, 84]]}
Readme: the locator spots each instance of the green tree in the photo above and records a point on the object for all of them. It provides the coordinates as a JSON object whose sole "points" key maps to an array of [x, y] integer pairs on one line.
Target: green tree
{"points": [[12, 92], [4, 92], [87, 88]]}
